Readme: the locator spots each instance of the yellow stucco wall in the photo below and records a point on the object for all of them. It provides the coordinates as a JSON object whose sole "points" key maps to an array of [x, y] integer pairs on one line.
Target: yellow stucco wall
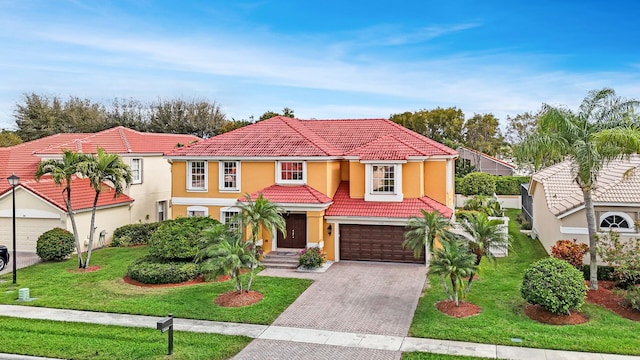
{"points": [[317, 176], [413, 180], [344, 170], [435, 180], [329, 241], [356, 180]]}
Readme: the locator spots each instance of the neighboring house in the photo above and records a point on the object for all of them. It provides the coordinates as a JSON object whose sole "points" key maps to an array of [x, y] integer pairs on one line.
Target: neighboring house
{"points": [[40, 205], [347, 186], [558, 205], [486, 163]]}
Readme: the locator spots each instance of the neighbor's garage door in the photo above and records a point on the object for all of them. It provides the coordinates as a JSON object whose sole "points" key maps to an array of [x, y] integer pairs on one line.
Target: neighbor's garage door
{"points": [[375, 243], [27, 232]]}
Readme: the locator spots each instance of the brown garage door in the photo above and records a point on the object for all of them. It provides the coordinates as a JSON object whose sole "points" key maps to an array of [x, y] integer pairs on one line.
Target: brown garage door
{"points": [[375, 243]]}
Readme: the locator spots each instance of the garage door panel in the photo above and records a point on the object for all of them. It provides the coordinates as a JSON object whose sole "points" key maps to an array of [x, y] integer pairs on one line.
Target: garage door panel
{"points": [[27, 232], [374, 243]]}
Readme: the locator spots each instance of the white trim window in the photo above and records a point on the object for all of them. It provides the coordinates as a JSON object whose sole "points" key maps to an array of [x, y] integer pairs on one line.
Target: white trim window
{"points": [[136, 170], [616, 221], [229, 176], [229, 216], [291, 172], [161, 210], [197, 211], [197, 175], [384, 182]]}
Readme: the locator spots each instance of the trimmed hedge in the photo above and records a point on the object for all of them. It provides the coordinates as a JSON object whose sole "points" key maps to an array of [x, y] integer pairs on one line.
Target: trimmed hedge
{"points": [[151, 270], [477, 183], [55, 245], [555, 285], [179, 239], [504, 185], [134, 234], [510, 185]]}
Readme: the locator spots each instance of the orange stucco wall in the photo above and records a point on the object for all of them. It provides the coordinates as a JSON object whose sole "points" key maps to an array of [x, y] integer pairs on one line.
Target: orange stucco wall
{"points": [[435, 180], [413, 180], [329, 241], [356, 180], [344, 170]]}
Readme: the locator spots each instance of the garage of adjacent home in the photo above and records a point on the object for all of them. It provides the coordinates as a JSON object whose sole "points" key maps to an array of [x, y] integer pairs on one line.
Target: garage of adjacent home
{"points": [[375, 243]]}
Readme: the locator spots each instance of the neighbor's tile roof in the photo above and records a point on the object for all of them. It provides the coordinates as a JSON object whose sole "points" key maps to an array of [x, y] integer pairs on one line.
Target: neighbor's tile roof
{"points": [[343, 205], [291, 194], [563, 193], [285, 137]]}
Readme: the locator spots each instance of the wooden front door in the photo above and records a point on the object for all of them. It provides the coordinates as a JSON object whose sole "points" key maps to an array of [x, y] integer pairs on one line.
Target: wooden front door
{"points": [[296, 236]]}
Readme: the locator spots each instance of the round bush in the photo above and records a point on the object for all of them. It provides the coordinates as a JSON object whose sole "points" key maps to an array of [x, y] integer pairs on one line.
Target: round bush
{"points": [[55, 245], [151, 270], [179, 239], [555, 285], [133, 234], [311, 258], [477, 183]]}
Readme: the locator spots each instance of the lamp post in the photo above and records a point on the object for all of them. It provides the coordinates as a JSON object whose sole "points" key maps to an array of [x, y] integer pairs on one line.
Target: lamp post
{"points": [[14, 181]]}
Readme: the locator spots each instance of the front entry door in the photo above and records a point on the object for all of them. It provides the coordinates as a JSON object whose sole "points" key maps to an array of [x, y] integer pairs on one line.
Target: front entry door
{"points": [[296, 236]]}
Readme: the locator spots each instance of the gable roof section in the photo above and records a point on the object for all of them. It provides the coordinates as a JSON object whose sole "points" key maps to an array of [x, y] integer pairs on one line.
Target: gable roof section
{"points": [[343, 205], [489, 157], [285, 137], [295, 194], [563, 194]]}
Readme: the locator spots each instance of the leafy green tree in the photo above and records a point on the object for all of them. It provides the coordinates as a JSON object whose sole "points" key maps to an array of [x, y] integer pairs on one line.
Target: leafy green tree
{"points": [[482, 133], [256, 215], [439, 124], [423, 231], [177, 116], [519, 126], [9, 138], [62, 173], [599, 132], [286, 112], [453, 262], [100, 169], [233, 125]]}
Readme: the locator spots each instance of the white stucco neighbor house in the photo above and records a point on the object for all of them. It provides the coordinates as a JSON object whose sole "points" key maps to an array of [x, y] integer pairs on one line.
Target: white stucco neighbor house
{"points": [[40, 205], [558, 205]]}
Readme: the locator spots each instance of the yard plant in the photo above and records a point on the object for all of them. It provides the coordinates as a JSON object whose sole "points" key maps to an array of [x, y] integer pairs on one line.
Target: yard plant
{"points": [[55, 245]]}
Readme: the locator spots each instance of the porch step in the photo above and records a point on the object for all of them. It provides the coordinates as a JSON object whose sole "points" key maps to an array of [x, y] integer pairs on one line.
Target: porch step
{"points": [[281, 259]]}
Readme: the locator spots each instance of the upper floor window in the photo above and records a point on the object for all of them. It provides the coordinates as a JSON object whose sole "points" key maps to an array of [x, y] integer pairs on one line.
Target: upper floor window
{"points": [[291, 172], [384, 179], [616, 221], [197, 175], [230, 175], [383, 182], [136, 171]]}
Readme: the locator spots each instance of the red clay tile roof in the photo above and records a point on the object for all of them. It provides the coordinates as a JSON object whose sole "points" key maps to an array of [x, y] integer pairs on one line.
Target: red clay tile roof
{"points": [[294, 194], [386, 148], [343, 205], [81, 193], [280, 137]]}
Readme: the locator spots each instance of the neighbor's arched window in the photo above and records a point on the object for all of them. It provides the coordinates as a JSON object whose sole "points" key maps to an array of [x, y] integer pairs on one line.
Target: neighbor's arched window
{"points": [[617, 221]]}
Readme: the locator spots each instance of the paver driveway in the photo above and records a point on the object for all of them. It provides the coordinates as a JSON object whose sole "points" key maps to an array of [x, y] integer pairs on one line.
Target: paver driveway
{"points": [[359, 297]]}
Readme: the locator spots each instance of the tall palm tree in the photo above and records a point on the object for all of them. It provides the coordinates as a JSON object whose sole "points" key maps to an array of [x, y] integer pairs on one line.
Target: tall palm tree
{"points": [[452, 262], [423, 232], [600, 131], [62, 172], [259, 214], [100, 169], [483, 233]]}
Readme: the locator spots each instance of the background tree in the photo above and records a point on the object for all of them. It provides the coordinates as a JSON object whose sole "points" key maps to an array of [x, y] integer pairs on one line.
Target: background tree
{"points": [[196, 117], [9, 138], [599, 132], [233, 125], [482, 133], [520, 126], [286, 112], [439, 124]]}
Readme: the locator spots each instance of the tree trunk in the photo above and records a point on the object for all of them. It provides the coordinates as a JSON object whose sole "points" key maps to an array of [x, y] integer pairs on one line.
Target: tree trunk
{"points": [[479, 255], [73, 226], [591, 226], [91, 230], [446, 288]]}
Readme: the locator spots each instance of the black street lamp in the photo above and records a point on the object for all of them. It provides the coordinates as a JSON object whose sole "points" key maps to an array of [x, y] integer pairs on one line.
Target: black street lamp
{"points": [[14, 181]]}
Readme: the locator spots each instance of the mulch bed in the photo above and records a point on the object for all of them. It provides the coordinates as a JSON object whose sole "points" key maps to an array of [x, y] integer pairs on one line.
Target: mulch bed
{"points": [[465, 309], [540, 314], [606, 298], [85, 270], [235, 299]]}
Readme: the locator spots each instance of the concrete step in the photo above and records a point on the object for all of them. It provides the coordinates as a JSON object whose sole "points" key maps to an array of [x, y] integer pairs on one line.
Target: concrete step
{"points": [[281, 259]]}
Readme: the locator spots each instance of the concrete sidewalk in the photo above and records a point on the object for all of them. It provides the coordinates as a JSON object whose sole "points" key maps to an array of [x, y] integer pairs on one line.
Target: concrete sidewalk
{"points": [[318, 339]]}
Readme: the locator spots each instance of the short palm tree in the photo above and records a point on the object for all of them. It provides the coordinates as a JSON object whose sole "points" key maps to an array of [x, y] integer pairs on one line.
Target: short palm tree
{"points": [[100, 169], [423, 232], [603, 129], [483, 233], [259, 214], [452, 262], [226, 254], [62, 172]]}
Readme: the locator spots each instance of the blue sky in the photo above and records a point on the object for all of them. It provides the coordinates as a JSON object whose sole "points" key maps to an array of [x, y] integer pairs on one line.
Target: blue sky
{"points": [[324, 59]]}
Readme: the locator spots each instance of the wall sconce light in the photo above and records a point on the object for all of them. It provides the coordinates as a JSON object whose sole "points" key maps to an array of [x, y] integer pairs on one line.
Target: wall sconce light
{"points": [[329, 229]]}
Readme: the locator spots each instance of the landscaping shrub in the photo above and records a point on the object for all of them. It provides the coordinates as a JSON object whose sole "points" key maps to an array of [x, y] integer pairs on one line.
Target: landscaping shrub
{"points": [[55, 245], [622, 254], [477, 183], [151, 270], [179, 239], [632, 297], [134, 234], [604, 272], [311, 258], [555, 285], [570, 251], [510, 185], [465, 214]]}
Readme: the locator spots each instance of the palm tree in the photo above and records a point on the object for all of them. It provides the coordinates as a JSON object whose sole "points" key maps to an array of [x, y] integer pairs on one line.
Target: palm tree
{"points": [[62, 172], [483, 234], [100, 169], [226, 254], [452, 262], [600, 131], [257, 215], [424, 231]]}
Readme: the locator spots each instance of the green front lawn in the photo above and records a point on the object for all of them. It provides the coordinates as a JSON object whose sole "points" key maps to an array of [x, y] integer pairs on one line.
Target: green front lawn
{"points": [[430, 356], [502, 318], [67, 340], [54, 285]]}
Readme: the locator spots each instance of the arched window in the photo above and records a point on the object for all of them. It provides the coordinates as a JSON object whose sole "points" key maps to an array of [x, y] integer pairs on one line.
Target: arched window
{"points": [[617, 221]]}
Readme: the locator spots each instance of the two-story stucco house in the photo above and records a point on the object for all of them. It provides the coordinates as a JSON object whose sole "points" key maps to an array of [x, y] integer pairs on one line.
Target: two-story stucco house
{"points": [[347, 186]]}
